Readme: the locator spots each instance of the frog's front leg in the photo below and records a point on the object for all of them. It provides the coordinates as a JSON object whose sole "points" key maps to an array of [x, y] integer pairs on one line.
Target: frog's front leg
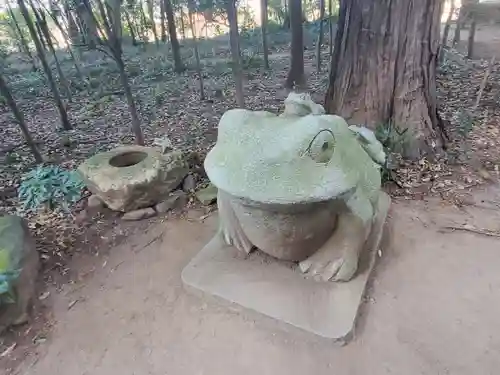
{"points": [[337, 259], [229, 225]]}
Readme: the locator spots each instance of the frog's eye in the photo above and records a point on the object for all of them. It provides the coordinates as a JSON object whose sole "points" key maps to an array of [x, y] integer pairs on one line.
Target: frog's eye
{"points": [[321, 147]]}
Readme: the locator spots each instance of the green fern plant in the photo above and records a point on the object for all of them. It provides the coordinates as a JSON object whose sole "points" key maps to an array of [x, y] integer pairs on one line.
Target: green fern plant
{"points": [[50, 185]]}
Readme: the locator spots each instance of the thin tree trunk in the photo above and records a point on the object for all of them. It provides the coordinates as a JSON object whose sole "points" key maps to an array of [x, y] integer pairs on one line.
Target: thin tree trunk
{"points": [[330, 25], [40, 36], [384, 69], [162, 21], [235, 51], [67, 38], [462, 18], [472, 35], [131, 28], [447, 26], [73, 32], [296, 77], [6, 93], [320, 35], [41, 54], [183, 27], [196, 54], [40, 18], [176, 49], [22, 39], [263, 20], [150, 5], [136, 123]]}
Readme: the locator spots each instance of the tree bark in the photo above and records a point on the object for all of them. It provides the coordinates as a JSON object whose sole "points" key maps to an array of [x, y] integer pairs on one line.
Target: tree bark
{"points": [[41, 54], [320, 35], [234, 40], [296, 77], [6, 93], [176, 49], [384, 69], [263, 20]]}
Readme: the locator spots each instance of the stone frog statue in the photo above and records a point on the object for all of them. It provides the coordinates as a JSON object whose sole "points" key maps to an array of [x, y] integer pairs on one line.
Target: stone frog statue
{"points": [[302, 186]]}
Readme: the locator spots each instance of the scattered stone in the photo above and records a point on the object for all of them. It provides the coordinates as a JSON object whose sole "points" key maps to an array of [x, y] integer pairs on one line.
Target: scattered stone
{"points": [[177, 199], [189, 183], [143, 213], [207, 195], [17, 254], [132, 177]]}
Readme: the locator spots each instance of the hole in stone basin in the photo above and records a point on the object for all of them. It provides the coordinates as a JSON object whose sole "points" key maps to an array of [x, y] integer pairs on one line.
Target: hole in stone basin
{"points": [[127, 159]]}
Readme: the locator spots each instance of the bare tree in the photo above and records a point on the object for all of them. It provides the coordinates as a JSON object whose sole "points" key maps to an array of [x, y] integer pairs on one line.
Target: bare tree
{"points": [[385, 72], [320, 34], [6, 93], [196, 51], [43, 60], [296, 77], [176, 48], [234, 40], [263, 20]]}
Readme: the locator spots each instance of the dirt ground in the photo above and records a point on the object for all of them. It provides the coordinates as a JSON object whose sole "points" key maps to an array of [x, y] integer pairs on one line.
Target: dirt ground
{"points": [[432, 308]]}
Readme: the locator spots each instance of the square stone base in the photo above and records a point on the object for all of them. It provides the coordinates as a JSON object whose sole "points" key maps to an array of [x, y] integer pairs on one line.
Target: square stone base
{"points": [[277, 289]]}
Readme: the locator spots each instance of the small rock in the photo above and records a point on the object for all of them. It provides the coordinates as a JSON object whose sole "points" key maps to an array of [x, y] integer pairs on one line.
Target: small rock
{"points": [[177, 200], [207, 195], [143, 213], [484, 174], [94, 203], [189, 183]]}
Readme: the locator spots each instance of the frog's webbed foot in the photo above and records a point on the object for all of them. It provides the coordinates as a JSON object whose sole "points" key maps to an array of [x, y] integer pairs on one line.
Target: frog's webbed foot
{"points": [[337, 259]]}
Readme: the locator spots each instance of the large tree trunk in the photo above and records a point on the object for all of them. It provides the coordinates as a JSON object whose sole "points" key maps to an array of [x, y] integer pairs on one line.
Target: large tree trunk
{"points": [[296, 77], [176, 49], [384, 69], [41, 54], [263, 20], [6, 93], [234, 40]]}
